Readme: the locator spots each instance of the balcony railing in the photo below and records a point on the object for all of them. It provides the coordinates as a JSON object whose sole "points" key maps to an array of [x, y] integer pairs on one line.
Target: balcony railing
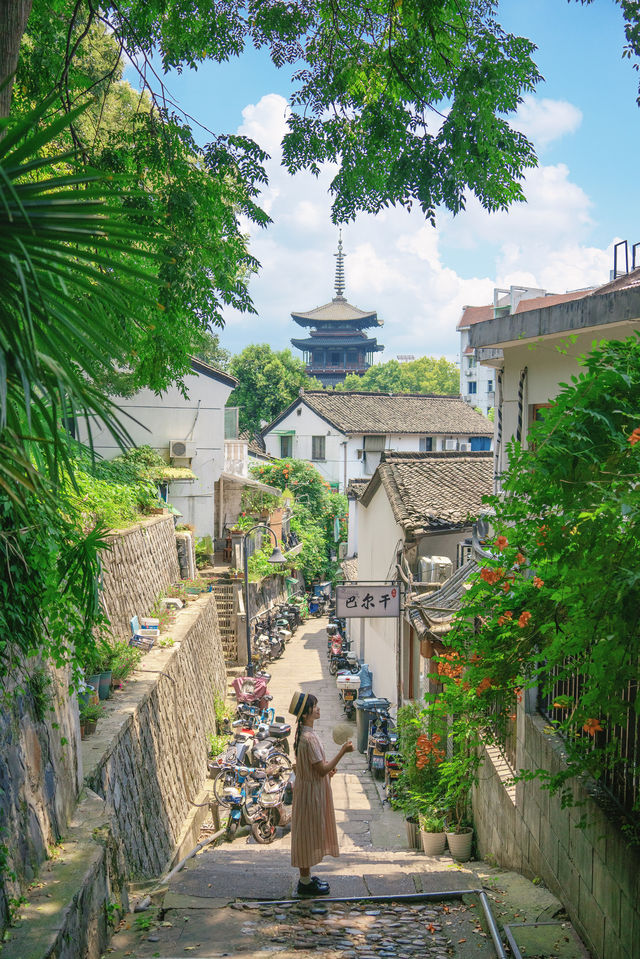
{"points": [[335, 368]]}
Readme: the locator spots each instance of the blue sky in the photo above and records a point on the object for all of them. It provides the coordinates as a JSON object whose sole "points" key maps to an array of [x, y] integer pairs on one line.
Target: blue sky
{"points": [[585, 125]]}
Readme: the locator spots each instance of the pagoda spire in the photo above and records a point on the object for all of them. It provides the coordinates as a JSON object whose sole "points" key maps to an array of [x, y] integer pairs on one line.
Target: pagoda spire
{"points": [[339, 285]]}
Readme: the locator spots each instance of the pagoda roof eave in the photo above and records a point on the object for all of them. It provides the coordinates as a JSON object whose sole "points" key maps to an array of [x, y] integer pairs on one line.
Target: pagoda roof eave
{"points": [[339, 311], [370, 345]]}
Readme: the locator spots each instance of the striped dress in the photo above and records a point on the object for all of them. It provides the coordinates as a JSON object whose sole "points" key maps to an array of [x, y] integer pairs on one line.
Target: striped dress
{"points": [[313, 821]]}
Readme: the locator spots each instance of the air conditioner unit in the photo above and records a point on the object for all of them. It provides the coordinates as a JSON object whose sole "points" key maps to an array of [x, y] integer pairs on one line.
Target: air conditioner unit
{"points": [[434, 569], [464, 447], [181, 449], [451, 444]]}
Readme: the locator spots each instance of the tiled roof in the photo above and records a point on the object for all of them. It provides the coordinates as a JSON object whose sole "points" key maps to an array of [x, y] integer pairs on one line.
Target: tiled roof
{"points": [[255, 445], [474, 314], [434, 612], [433, 491], [627, 282], [338, 311], [403, 413], [356, 488]]}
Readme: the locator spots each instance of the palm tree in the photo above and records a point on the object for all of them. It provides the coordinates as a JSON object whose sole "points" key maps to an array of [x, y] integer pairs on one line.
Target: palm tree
{"points": [[69, 291]]}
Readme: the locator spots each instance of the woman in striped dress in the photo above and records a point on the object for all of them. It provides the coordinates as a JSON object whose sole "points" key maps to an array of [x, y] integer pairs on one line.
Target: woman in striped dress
{"points": [[313, 822]]}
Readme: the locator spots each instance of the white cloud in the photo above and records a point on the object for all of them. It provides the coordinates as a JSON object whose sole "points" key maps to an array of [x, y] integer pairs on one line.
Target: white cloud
{"points": [[543, 120], [396, 262]]}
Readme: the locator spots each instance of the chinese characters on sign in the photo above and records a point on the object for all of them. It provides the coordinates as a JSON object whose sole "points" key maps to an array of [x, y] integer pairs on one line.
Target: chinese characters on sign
{"points": [[369, 601]]}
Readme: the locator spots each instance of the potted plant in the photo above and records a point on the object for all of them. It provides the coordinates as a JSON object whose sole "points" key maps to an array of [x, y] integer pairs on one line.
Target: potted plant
{"points": [[90, 713], [125, 659], [432, 832], [457, 775]]}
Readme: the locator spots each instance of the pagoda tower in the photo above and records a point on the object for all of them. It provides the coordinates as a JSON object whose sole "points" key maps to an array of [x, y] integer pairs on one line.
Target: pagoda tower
{"points": [[337, 344]]}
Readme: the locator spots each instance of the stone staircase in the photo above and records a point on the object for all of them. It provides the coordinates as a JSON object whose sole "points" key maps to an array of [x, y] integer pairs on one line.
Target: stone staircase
{"points": [[224, 593]]}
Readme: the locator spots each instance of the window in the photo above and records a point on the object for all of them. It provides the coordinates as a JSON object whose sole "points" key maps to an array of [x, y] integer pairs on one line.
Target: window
{"points": [[426, 444], [471, 363], [352, 357], [478, 443], [489, 386], [335, 359], [472, 388], [537, 411], [286, 447], [318, 358], [318, 447]]}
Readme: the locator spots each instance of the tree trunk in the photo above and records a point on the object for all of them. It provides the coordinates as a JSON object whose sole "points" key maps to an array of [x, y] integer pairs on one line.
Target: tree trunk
{"points": [[13, 21]]}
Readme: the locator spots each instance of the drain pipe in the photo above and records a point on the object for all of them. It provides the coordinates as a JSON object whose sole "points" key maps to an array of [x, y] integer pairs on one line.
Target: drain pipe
{"points": [[413, 897]]}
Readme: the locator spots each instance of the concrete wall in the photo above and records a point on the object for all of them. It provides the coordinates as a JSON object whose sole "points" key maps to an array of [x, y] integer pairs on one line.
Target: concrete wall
{"points": [[592, 871], [154, 761], [140, 564]]}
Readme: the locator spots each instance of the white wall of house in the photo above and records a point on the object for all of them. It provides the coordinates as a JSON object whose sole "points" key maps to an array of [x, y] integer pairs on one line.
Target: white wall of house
{"points": [[379, 538], [352, 528], [443, 544], [343, 453], [549, 362], [199, 418]]}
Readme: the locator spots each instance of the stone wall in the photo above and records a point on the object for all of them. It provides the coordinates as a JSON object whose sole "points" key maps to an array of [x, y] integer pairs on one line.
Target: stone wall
{"points": [[593, 871], [154, 762], [39, 776], [141, 563]]}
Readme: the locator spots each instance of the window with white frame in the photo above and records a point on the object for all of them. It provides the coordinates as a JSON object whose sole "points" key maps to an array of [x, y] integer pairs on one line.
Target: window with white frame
{"points": [[426, 444]]}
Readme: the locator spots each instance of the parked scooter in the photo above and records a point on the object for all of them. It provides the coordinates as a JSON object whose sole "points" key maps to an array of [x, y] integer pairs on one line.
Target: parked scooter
{"points": [[382, 739]]}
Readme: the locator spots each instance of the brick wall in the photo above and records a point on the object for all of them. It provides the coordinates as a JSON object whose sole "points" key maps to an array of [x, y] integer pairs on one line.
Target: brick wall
{"points": [[593, 871], [154, 764], [141, 563]]}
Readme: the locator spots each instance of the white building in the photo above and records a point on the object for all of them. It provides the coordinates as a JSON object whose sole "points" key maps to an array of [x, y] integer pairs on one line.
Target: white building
{"points": [[478, 381], [344, 433], [189, 431], [416, 506], [531, 351]]}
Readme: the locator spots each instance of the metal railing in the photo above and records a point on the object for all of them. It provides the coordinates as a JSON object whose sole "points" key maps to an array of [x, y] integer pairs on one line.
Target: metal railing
{"points": [[619, 739], [505, 729]]}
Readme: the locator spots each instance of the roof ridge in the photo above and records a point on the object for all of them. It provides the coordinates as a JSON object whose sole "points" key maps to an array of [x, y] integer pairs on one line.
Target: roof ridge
{"points": [[438, 396]]}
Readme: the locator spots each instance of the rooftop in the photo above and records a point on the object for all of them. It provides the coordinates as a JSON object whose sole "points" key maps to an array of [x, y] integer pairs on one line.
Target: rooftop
{"points": [[617, 302], [338, 311], [356, 487], [433, 491], [359, 412]]}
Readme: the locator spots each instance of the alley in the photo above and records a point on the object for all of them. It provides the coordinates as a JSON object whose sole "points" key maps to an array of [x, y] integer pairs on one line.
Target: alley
{"points": [[231, 900]]}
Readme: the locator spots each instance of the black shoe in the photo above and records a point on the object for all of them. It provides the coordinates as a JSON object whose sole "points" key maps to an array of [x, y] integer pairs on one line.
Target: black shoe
{"points": [[317, 887]]}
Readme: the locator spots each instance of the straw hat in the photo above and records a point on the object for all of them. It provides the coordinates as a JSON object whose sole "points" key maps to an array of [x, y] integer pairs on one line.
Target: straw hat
{"points": [[298, 702]]}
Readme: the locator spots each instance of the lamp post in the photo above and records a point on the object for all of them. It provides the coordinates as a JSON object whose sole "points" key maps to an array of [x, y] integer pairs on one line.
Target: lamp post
{"points": [[277, 559]]}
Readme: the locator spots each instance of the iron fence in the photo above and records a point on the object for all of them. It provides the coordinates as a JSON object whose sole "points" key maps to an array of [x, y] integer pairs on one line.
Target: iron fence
{"points": [[504, 728], [619, 739]]}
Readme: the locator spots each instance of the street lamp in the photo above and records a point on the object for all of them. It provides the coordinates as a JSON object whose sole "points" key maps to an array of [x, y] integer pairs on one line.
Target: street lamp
{"points": [[277, 559]]}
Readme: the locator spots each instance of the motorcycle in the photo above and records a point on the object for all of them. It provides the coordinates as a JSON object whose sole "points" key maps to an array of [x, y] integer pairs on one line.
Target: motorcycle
{"points": [[348, 688], [382, 739]]}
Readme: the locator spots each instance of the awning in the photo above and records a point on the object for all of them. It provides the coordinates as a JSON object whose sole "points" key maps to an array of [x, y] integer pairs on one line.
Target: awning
{"points": [[283, 432], [432, 615], [249, 481]]}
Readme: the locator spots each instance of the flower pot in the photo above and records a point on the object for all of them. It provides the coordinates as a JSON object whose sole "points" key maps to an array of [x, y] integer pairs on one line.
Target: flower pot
{"points": [[94, 680], [84, 696], [90, 728], [433, 843], [83, 731], [104, 688], [413, 835], [460, 843]]}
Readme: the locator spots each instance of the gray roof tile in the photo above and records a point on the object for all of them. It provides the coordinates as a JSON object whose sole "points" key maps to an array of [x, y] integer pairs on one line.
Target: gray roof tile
{"points": [[352, 411], [432, 491]]}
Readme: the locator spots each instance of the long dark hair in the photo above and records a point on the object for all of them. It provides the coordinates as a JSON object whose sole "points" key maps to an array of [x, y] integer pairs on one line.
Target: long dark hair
{"points": [[308, 706]]}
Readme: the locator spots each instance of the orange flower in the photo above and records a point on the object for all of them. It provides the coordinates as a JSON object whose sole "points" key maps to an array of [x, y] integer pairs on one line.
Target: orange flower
{"points": [[592, 726], [505, 587], [520, 559], [635, 436], [502, 542], [524, 618], [518, 693], [537, 582], [505, 617], [482, 685]]}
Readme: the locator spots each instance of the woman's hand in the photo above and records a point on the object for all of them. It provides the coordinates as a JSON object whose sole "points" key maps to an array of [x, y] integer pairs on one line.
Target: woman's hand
{"points": [[347, 747]]}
